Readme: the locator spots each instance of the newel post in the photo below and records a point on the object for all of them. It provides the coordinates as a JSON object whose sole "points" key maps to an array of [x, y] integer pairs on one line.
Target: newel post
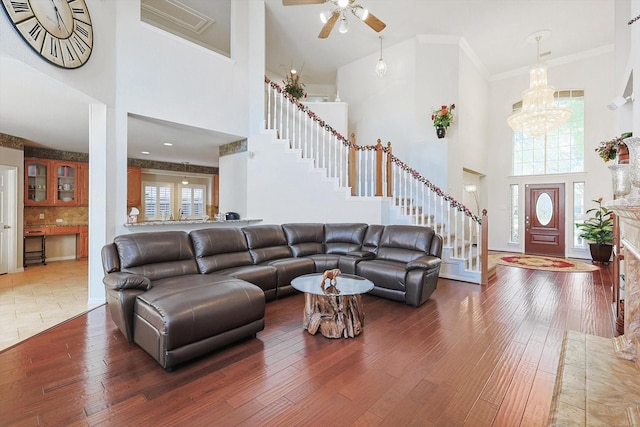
{"points": [[352, 165], [484, 252], [389, 176], [379, 168]]}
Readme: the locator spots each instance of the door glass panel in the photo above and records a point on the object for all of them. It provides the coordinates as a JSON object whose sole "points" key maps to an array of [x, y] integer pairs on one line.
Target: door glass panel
{"points": [[37, 182], [544, 209]]}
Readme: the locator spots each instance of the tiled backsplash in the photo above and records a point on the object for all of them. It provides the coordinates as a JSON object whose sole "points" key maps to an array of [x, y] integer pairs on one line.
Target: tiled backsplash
{"points": [[69, 215]]}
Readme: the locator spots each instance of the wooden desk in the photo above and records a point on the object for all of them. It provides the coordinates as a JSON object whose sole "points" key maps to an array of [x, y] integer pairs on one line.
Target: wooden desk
{"points": [[80, 231]]}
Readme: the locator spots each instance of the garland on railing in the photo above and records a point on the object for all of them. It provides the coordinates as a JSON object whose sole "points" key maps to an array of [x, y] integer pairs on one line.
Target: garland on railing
{"points": [[447, 197], [406, 168]]}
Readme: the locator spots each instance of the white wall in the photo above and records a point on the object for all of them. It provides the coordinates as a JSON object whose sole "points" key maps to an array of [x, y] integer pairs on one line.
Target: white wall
{"points": [[283, 188], [595, 75], [232, 187]]}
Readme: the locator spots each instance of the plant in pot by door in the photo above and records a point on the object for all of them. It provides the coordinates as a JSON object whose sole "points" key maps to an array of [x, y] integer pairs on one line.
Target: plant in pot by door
{"points": [[442, 119], [599, 231]]}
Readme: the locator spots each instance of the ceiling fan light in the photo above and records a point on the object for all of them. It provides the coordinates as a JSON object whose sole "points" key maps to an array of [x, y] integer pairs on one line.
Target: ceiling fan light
{"points": [[344, 25], [361, 12], [343, 3], [324, 16]]}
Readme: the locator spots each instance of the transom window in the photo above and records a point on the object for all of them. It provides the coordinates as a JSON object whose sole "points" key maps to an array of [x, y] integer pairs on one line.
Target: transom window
{"points": [[558, 151]]}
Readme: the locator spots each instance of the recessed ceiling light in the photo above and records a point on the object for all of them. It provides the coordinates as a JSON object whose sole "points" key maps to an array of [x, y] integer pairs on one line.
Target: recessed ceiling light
{"points": [[145, 152], [167, 144]]}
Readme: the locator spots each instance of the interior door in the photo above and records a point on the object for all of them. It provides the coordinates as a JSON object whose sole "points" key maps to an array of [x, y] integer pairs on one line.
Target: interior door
{"points": [[4, 227], [544, 219]]}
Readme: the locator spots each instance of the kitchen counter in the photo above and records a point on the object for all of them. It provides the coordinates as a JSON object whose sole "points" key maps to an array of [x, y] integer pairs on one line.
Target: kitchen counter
{"points": [[186, 225]]}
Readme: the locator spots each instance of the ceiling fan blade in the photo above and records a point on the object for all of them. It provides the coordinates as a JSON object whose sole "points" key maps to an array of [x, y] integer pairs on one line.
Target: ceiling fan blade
{"points": [[326, 30], [375, 24], [301, 2]]}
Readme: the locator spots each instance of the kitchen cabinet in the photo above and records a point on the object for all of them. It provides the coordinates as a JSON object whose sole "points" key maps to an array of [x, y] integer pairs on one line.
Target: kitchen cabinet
{"points": [[37, 190], [216, 192], [65, 183], [82, 242], [134, 187], [83, 184]]}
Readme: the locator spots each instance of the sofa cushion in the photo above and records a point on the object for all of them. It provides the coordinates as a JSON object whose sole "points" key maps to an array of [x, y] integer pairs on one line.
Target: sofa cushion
{"points": [[156, 255], [263, 276], [304, 239], [191, 308], [290, 268], [371, 239], [220, 248], [326, 262], [404, 243], [266, 242], [383, 273], [342, 238]]}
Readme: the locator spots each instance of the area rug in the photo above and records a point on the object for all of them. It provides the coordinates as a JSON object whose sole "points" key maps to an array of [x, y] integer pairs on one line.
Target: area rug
{"points": [[537, 262]]}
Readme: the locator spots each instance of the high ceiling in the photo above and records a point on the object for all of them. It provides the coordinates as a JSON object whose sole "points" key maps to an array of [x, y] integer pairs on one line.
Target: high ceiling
{"points": [[496, 31]]}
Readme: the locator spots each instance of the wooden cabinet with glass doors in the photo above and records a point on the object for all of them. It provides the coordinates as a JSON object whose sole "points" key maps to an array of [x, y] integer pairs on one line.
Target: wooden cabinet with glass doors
{"points": [[37, 191], [65, 183]]}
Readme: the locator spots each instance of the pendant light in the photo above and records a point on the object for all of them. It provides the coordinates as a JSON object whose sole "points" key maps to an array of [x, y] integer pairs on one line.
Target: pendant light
{"points": [[381, 66], [539, 113], [185, 181]]}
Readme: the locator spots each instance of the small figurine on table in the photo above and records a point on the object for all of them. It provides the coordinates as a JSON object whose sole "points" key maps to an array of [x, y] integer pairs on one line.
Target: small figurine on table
{"points": [[332, 275]]}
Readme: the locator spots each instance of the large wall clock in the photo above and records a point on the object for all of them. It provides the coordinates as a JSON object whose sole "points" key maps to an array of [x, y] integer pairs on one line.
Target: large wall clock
{"points": [[60, 31]]}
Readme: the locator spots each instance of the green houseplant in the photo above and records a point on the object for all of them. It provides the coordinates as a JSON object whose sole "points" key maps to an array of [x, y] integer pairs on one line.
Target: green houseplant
{"points": [[293, 86], [599, 231]]}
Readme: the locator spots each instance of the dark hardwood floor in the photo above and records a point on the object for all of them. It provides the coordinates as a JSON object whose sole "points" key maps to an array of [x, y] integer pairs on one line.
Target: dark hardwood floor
{"points": [[471, 356]]}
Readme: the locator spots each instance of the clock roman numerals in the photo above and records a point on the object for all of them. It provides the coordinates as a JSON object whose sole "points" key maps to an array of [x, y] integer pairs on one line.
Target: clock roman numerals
{"points": [[32, 32], [79, 10], [20, 6], [18, 10], [35, 31]]}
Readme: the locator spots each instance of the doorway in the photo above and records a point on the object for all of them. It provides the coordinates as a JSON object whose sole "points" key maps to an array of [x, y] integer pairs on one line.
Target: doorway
{"points": [[7, 217], [544, 219]]}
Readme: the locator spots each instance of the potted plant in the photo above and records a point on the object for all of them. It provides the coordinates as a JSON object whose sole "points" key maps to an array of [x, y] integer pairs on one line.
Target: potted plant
{"points": [[614, 149], [442, 119], [599, 231], [293, 86]]}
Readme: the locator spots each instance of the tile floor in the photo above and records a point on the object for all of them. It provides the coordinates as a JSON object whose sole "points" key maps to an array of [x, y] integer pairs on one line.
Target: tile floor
{"points": [[41, 297]]}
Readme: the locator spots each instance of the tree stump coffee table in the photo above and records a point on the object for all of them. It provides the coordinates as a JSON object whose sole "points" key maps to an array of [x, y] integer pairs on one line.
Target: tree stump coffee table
{"points": [[335, 311]]}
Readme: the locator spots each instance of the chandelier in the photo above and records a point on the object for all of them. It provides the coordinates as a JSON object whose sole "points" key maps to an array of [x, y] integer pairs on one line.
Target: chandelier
{"points": [[539, 113]]}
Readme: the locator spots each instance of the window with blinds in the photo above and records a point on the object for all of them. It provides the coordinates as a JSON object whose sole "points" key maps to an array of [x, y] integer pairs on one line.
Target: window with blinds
{"points": [[157, 201], [192, 200]]}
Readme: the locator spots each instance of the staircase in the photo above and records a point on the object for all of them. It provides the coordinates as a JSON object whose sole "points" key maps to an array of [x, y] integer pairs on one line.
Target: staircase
{"points": [[373, 172]]}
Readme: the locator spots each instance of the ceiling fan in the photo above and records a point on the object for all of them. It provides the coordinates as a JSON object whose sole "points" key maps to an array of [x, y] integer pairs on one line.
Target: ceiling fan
{"points": [[339, 12]]}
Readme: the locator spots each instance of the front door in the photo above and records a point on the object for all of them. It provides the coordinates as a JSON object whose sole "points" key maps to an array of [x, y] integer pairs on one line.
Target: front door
{"points": [[544, 219]]}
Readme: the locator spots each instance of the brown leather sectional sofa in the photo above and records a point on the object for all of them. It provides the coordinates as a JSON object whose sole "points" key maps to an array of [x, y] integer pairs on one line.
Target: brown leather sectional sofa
{"points": [[180, 295]]}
